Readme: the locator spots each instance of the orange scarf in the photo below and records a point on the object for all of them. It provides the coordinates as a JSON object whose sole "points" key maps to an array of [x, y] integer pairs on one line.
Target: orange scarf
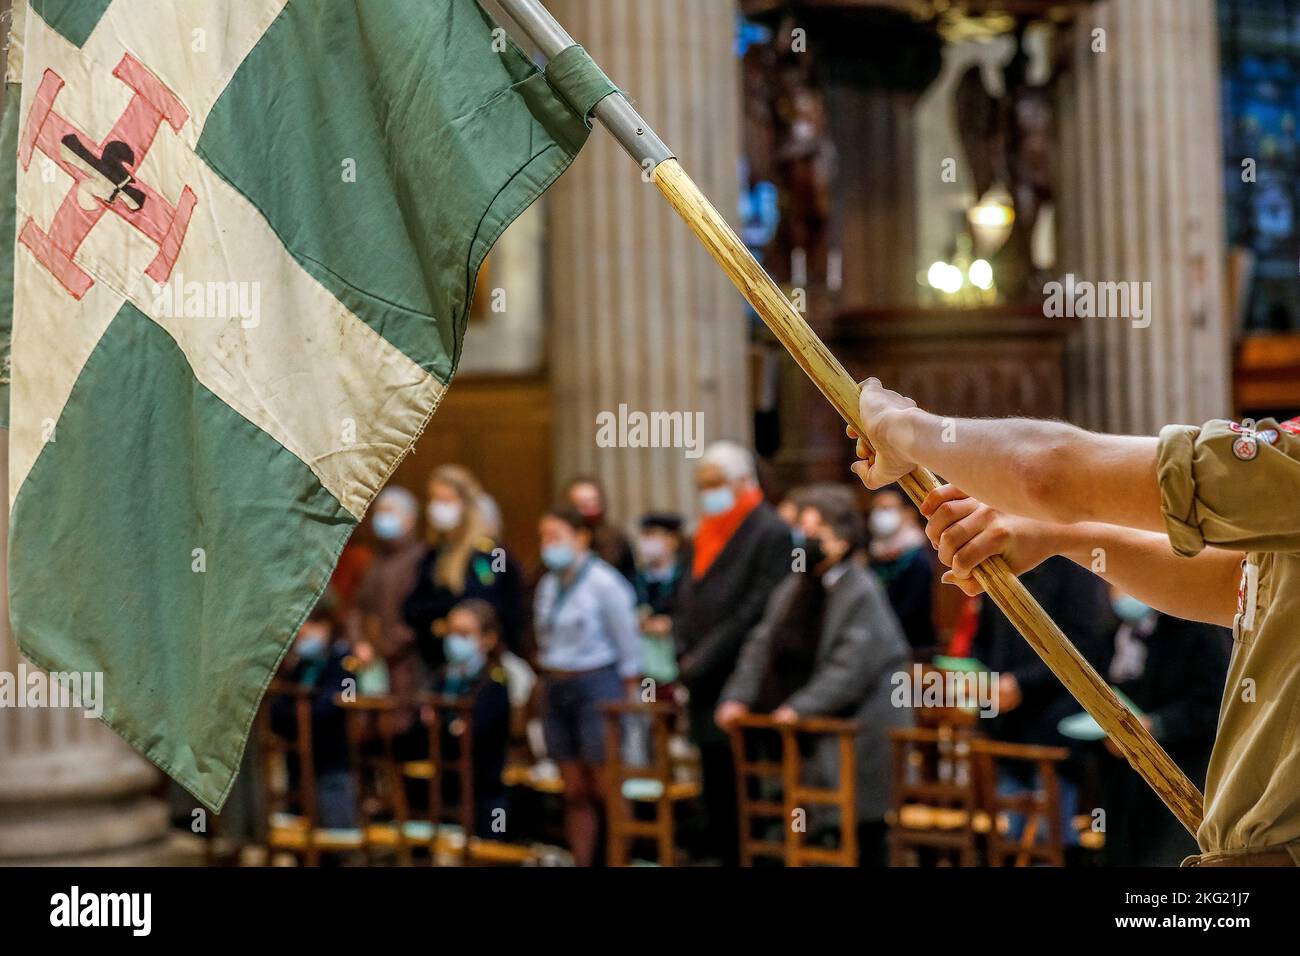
{"points": [[716, 530]]}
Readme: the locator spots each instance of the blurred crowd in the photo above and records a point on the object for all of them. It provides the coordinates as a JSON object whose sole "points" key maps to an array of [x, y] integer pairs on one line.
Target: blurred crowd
{"points": [[810, 605]]}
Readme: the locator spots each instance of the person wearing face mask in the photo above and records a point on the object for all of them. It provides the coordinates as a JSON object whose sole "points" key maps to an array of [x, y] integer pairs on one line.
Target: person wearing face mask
{"points": [[474, 672], [462, 562], [589, 649], [1174, 671], [828, 646], [318, 660], [658, 576], [740, 552], [587, 496], [377, 620], [902, 559]]}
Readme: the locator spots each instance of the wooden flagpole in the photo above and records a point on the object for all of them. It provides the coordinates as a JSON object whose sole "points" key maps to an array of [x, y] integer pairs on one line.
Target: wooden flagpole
{"points": [[1146, 756]]}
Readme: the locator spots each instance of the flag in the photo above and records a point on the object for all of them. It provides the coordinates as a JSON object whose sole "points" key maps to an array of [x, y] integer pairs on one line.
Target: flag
{"points": [[246, 236]]}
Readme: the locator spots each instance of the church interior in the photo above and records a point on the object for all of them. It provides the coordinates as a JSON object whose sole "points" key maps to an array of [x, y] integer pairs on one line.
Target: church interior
{"points": [[1082, 210]]}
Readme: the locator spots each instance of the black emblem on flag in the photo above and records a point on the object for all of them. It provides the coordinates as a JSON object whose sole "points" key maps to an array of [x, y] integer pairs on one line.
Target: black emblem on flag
{"points": [[109, 173]]}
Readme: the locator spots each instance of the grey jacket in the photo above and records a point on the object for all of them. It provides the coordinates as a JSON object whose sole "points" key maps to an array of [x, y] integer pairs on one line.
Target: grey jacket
{"points": [[862, 647]]}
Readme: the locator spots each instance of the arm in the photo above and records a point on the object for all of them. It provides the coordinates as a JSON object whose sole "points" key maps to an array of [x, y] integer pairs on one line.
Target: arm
{"points": [[1040, 469], [388, 645], [1201, 588], [861, 652], [619, 605], [841, 680]]}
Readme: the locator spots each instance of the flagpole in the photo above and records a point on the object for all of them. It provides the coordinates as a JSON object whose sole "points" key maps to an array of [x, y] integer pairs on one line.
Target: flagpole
{"points": [[636, 136]]}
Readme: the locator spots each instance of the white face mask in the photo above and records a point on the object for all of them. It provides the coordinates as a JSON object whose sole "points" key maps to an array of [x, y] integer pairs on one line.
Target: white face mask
{"points": [[445, 515], [651, 550], [885, 522]]}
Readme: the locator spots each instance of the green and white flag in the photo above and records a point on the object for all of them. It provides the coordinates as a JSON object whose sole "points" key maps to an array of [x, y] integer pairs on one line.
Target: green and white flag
{"points": [[246, 235]]}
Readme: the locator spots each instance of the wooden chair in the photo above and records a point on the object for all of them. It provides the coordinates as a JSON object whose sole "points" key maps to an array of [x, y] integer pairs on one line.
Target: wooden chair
{"points": [[660, 785], [461, 844], [757, 780], [1042, 835], [381, 794], [292, 822], [934, 795], [796, 795]]}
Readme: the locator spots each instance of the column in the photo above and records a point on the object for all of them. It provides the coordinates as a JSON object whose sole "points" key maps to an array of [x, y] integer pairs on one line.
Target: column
{"points": [[1141, 200], [639, 313], [71, 791]]}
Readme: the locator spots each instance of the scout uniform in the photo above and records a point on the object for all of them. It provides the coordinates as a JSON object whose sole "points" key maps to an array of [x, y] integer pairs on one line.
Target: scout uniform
{"points": [[1237, 487]]}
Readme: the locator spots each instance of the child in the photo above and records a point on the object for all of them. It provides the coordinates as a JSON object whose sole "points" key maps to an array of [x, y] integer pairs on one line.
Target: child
{"points": [[659, 572], [317, 662], [473, 649]]}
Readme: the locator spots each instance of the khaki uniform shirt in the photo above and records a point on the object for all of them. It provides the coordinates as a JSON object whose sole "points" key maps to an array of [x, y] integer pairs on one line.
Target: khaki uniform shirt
{"points": [[1238, 488]]}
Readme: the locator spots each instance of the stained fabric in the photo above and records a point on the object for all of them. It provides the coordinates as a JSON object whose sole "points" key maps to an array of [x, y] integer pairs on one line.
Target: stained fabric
{"points": [[233, 315]]}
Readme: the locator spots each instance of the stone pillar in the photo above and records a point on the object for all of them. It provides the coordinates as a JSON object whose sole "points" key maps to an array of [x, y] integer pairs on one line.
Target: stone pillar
{"points": [[639, 313], [1141, 200], [71, 791]]}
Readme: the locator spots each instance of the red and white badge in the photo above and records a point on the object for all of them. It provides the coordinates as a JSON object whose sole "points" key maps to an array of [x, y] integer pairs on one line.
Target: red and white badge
{"points": [[1246, 446]]}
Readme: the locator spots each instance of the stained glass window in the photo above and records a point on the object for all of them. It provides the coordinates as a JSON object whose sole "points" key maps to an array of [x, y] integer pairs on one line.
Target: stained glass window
{"points": [[1260, 48]]}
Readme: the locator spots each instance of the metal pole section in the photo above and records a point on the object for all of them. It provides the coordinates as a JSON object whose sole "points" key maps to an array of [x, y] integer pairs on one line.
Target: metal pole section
{"points": [[614, 112]]}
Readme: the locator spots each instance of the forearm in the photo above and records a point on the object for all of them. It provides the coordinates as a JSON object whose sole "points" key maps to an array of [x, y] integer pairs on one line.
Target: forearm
{"points": [[1141, 563], [1039, 469]]}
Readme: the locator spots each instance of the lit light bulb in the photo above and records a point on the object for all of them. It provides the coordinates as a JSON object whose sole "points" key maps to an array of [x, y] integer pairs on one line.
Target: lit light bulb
{"points": [[937, 275], [991, 220], [981, 274], [952, 280]]}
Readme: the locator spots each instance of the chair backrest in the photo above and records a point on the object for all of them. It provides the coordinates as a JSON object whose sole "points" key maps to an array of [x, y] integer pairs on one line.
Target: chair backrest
{"points": [[932, 766], [372, 726], [760, 773], [439, 711], [281, 793], [661, 719], [797, 797], [285, 800], [659, 771], [1041, 836], [934, 796]]}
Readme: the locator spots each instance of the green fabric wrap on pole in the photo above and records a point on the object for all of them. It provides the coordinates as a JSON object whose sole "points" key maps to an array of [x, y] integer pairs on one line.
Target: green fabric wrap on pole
{"points": [[578, 78]]}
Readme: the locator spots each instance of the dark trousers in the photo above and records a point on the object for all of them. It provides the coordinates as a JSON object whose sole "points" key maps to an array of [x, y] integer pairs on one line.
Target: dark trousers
{"points": [[721, 836]]}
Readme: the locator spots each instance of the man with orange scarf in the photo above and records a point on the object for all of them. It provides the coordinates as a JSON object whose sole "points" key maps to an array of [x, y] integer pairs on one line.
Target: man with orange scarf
{"points": [[741, 551]]}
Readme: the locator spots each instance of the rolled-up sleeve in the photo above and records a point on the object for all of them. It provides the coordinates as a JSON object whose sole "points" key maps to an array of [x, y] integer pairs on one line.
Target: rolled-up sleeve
{"points": [[1224, 487]]}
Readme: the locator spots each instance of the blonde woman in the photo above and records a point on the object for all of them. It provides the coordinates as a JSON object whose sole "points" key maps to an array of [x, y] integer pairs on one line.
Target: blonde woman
{"points": [[463, 562]]}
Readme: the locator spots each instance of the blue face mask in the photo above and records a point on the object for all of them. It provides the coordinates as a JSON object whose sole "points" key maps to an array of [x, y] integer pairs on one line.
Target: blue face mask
{"points": [[558, 557], [311, 648], [717, 501], [1130, 609], [463, 651], [388, 526]]}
